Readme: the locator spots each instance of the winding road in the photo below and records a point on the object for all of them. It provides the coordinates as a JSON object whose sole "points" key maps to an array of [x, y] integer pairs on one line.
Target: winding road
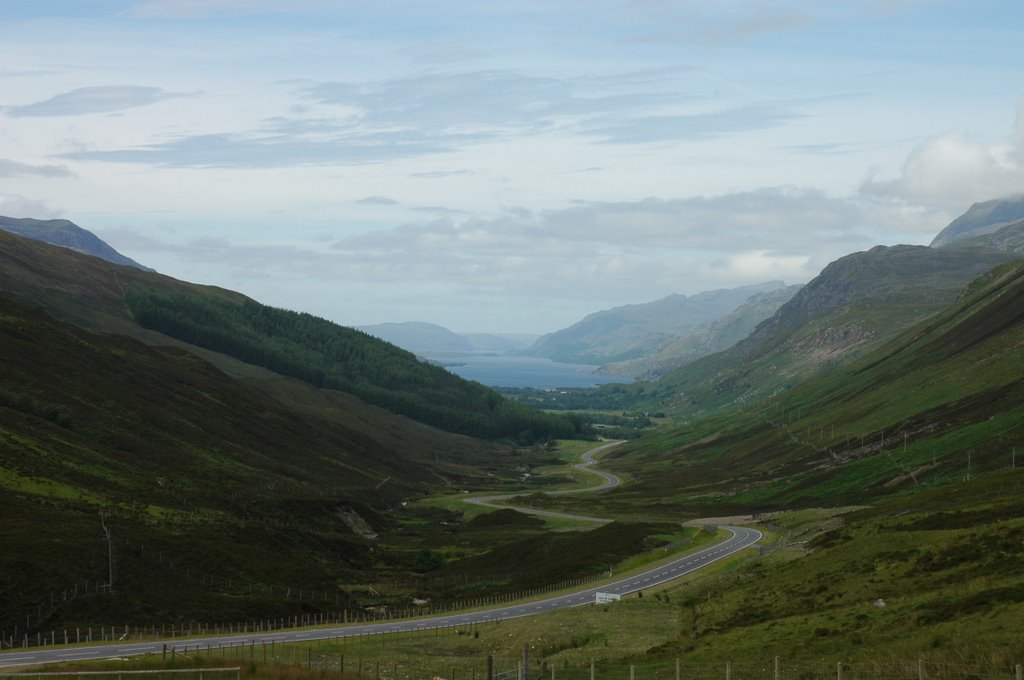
{"points": [[740, 538], [608, 481]]}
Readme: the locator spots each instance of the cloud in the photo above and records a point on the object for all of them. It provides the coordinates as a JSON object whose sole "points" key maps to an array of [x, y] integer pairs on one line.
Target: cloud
{"points": [[382, 120], [695, 126], [378, 200], [86, 100], [947, 174], [9, 168], [207, 9], [622, 249], [13, 205], [262, 150], [719, 23]]}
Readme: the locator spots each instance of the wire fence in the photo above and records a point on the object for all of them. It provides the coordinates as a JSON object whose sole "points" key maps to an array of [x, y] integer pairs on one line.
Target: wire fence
{"points": [[200, 672]]}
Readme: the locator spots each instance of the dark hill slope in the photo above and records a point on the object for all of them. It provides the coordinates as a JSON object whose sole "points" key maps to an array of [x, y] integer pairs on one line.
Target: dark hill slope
{"points": [[97, 295], [67, 235], [192, 468], [941, 401]]}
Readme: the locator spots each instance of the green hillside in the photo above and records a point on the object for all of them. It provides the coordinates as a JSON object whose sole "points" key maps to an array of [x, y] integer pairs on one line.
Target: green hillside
{"points": [[854, 306], [161, 310], [942, 401], [224, 503]]}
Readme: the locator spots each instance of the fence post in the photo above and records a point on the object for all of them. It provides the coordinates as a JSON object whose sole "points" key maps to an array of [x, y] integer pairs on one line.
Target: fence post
{"points": [[839, 670], [728, 670], [632, 672], [591, 669], [490, 667], [777, 669], [920, 669], [1020, 674], [677, 668], [525, 675]]}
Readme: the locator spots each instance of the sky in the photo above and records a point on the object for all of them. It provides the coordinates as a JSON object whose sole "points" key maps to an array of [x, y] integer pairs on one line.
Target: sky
{"points": [[508, 165]]}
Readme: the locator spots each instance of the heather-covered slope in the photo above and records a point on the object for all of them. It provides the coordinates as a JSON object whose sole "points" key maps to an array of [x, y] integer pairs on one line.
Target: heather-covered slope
{"points": [[940, 401], [158, 309], [855, 305]]}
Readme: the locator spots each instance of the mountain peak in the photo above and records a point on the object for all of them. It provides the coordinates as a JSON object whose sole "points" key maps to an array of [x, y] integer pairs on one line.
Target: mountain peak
{"points": [[982, 218], [67, 234]]}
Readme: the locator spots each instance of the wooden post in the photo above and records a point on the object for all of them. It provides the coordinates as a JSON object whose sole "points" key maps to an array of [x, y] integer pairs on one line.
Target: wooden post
{"points": [[591, 669], [777, 673], [920, 666], [632, 672], [677, 668], [728, 670], [525, 675], [839, 670], [1020, 674], [490, 667]]}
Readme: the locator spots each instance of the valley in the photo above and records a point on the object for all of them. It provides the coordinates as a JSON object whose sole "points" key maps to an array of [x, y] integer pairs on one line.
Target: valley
{"points": [[181, 458], [736, 539]]}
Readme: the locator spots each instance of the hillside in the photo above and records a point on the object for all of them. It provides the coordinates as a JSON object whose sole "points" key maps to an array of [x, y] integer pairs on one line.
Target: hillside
{"points": [[719, 335], [1008, 238], [634, 331], [855, 305], [982, 218], [158, 309], [418, 336], [67, 235], [191, 469], [942, 400]]}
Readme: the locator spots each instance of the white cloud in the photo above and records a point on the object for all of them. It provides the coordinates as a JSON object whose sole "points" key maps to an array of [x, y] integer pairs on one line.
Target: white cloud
{"points": [[948, 173], [13, 205], [87, 100], [10, 168]]}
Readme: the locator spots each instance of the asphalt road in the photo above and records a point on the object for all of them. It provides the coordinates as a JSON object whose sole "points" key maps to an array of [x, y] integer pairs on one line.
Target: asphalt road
{"points": [[608, 481], [740, 538]]}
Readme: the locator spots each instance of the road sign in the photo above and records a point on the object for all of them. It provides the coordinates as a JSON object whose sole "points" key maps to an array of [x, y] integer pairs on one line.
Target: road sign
{"points": [[605, 598]]}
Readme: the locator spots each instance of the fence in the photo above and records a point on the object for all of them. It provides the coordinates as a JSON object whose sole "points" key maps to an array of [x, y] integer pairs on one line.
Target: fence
{"points": [[361, 662], [120, 673]]}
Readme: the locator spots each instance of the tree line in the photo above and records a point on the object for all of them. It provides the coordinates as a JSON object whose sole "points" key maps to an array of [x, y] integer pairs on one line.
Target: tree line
{"points": [[326, 355]]}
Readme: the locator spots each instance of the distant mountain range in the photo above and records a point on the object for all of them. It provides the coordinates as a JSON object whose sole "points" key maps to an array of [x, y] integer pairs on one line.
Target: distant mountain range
{"points": [[855, 305], [639, 330], [712, 337], [422, 337], [67, 235]]}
